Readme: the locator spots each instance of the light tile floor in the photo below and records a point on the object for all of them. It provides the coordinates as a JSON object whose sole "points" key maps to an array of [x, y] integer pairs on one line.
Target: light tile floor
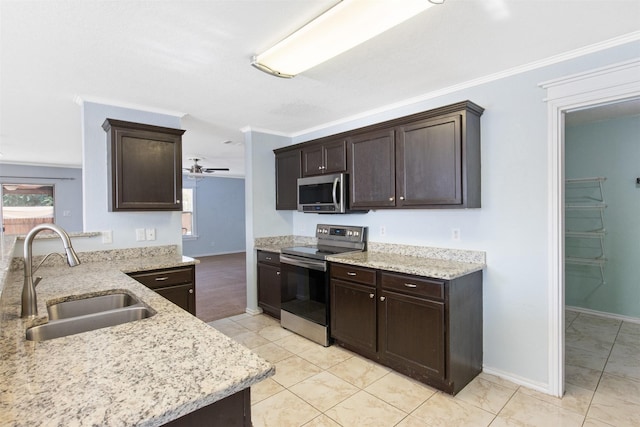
{"points": [[316, 386]]}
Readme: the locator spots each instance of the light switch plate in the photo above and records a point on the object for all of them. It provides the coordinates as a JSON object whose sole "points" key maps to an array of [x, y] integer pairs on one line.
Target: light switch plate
{"points": [[107, 236], [151, 234], [140, 235]]}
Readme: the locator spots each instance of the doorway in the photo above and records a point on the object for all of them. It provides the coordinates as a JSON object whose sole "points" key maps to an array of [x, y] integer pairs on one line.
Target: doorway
{"points": [[601, 234]]}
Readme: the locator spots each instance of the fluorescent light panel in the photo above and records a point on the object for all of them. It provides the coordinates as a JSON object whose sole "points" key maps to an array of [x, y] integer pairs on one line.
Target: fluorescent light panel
{"points": [[344, 26]]}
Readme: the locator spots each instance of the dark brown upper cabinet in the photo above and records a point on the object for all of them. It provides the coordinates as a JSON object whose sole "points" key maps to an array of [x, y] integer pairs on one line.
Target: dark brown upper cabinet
{"points": [[325, 157], [288, 170], [428, 160], [144, 166], [372, 177]]}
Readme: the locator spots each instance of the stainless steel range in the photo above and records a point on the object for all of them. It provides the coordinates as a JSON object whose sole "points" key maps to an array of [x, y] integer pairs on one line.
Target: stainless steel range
{"points": [[305, 279]]}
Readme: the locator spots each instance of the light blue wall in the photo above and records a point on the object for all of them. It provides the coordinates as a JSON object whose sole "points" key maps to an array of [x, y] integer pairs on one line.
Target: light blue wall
{"points": [[610, 149], [67, 192], [220, 217], [96, 205], [513, 224]]}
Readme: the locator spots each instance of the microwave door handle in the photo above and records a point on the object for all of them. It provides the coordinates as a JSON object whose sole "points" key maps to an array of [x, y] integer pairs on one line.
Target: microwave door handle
{"points": [[334, 193]]}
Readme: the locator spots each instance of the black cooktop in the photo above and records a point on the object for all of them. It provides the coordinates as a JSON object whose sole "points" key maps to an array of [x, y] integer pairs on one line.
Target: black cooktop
{"points": [[316, 252]]}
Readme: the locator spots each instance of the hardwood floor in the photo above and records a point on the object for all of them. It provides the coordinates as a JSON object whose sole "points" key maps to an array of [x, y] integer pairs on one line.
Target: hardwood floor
{"points": [[221, 286]]}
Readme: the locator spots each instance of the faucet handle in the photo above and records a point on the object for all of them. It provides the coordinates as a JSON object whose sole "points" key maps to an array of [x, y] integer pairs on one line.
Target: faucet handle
{"points": [[36, 280]]}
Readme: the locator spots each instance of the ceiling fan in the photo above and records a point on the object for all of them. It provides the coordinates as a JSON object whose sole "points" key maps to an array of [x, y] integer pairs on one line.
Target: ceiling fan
{"points": [[197, 168]]}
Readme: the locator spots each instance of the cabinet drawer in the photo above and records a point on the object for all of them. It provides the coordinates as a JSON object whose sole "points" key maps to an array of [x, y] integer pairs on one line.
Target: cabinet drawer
{"points": [[164, 278], [413, 285], [269, 257], [352, 273]]}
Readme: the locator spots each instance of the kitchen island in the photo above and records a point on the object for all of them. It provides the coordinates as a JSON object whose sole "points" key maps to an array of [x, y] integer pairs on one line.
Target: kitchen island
{"points": [[148, 372]]}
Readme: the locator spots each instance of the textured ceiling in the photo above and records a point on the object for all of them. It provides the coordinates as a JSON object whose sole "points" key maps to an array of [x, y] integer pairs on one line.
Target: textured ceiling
{"points": [[192, 57]]}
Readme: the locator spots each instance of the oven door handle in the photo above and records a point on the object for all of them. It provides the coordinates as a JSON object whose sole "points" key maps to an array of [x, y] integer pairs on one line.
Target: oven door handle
{"points": [[304, 263]]}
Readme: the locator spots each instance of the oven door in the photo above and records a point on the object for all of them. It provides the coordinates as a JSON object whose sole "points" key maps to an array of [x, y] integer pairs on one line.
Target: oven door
{"points": [[305, 288]]}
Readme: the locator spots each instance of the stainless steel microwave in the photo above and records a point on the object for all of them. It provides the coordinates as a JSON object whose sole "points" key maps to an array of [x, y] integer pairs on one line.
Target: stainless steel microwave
{"points": [[323, 193]]}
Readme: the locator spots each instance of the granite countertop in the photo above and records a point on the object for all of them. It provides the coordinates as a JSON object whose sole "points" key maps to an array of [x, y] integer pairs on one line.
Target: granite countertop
{"points": [[143, 373], [439, 263], [409, 264]]}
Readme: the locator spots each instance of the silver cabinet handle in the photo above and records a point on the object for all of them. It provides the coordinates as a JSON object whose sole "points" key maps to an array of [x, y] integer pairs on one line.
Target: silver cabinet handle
{"points": [[161, 279], [371, 295], [268, 258], [277, 273], [351, 273], [410, 285], [401, 197], [190, 291], [391, 199], [383, 298], [177, 201]]}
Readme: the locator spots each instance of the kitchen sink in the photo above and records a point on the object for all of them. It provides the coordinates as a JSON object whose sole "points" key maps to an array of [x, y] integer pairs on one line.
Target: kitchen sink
{"points": [[90, 305], [88, 314]]}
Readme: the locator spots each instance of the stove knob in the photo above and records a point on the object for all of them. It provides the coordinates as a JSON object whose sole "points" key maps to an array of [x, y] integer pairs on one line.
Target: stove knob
{"points": [[349, 233]]}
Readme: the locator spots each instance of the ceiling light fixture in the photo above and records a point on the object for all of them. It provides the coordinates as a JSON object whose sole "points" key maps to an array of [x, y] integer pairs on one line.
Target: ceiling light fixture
{"points": [[344, 26]]}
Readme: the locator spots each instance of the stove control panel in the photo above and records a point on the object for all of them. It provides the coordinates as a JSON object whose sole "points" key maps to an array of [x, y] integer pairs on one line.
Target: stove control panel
{"points": [[345, 233]]}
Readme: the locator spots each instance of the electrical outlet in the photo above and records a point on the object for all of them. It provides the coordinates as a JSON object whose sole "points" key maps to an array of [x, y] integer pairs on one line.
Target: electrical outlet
{"points": [[66, 213], [107, 236], [151, 234], [455, 234], [383, 230], [140, 235]]}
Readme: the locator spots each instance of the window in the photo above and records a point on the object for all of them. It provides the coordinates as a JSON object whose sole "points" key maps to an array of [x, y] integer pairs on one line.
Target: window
{"points": [[26, 205], [188, 213]]}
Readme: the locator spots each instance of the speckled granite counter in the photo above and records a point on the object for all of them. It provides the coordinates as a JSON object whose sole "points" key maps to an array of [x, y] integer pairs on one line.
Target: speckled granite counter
{"points": [[276, 243], [143, 373], [420, 266], [439, 263]]}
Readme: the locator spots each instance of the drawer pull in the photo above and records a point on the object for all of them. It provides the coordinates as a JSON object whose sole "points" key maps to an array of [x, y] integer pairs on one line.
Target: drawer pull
{"points": [[410, 285], [268, 258], [190, 291], [277, 273], [383, 298], [161, 279], [351, 273], [371, 295]]}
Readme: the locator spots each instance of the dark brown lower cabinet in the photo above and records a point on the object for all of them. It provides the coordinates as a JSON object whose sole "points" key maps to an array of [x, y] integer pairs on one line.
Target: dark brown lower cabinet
{"points": [[232, 411], [269, 283], [353, 319], [428, 329], [178, 285]]}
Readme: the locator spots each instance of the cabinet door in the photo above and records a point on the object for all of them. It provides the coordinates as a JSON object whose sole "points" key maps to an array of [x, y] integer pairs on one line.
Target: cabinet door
{"points": [[145, 167], [312, 160], [372, 170], [412, 335], [429, 163], [287, 174], [353, 315], [183, 296], [269, 289], [335, 157]]}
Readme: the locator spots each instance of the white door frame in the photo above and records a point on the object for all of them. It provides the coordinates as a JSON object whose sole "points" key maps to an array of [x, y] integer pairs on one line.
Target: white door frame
{"points": [[600, 86]]}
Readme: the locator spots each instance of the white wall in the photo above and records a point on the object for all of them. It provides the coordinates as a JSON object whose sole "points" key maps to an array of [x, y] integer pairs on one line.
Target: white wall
{"points": [[95, 180], [219, 216], [67, 184], [262, 219], [512, 225]]}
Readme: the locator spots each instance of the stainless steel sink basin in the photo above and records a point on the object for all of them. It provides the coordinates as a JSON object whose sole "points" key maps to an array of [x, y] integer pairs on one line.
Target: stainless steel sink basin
{"points": [[95, 304], [88, 314]]}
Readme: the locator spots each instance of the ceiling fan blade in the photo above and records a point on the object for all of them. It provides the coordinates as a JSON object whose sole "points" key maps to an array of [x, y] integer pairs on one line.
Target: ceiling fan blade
{"points": [[214, 169]]}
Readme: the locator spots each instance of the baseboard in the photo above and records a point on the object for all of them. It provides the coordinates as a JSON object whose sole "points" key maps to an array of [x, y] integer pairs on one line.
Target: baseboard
{"points": [[253, 311], [525, 382], [604, 314]]}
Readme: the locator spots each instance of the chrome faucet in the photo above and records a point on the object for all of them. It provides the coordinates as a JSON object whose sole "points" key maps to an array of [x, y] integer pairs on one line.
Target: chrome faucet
{"points": [[29, 302]]}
